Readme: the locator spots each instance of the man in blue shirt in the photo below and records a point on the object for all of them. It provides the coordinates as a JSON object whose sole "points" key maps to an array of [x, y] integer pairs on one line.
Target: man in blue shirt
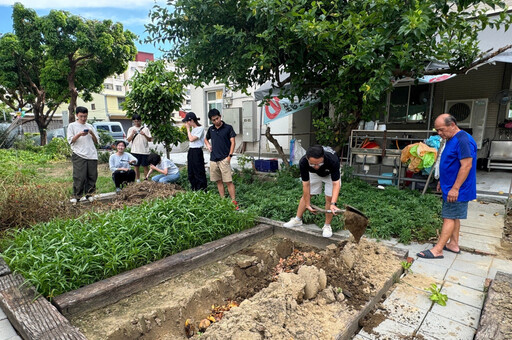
{"points": [[457, 181]]}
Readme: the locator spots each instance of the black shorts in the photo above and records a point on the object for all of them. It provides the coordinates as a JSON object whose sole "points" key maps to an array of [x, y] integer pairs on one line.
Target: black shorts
{"points": [[141, 159]]}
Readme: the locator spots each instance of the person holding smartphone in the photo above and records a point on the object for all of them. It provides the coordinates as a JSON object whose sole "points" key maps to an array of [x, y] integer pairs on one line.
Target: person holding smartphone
{"points": [[82, 137], [139, 136]]}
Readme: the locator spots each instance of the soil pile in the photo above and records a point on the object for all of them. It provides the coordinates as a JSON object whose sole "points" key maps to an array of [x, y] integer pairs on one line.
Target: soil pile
{"points": [[136, 193]]}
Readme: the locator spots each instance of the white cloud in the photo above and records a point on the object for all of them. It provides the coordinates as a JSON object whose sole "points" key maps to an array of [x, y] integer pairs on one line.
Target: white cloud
{"points": [[57, 4]]}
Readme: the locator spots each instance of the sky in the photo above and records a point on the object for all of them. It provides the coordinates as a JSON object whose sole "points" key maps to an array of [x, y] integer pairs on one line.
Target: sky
{"points": [[133, 14]]}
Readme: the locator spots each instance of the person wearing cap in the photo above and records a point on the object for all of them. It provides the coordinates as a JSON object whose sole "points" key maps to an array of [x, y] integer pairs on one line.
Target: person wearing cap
{"points": [[139, 136], [119, 164], [222, 146], [195, 157]]}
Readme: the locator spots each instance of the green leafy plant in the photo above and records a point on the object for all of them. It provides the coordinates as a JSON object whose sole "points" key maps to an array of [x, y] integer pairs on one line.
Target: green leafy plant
{"points": [[66, 254], [436, 295], [406, 266]]}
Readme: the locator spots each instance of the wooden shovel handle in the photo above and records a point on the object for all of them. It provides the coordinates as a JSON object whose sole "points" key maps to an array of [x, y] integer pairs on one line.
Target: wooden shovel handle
{"points": [[325, 211]]}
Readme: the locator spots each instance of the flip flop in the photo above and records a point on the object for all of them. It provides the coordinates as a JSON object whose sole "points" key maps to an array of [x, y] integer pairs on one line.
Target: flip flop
{"points": [[427, 254], [456, 252]]}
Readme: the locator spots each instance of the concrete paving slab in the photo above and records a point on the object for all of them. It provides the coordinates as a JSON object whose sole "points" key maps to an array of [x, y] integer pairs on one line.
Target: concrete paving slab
{"points": [[474, 245], [388, 330], [475, 259], [15, 338], [419, 281], [2, 314], [6, 330], [470, 267], [429, 269], [359, 337], [460, 312], [463, 294], [489, 208], [441, 328], [493, 232], [465, 279], [499, 265], [404, 293], [484, 238], [405, 313], [413, 248]]}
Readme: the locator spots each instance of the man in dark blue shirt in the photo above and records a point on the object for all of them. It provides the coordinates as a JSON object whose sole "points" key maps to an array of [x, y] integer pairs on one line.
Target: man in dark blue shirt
{"points": [[222, 146], [457, 181], [318, 167]]}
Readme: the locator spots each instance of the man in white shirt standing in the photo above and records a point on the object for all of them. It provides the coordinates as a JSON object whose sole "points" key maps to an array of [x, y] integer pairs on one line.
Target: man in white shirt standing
{"points": [[82, 137], [139, 136]]}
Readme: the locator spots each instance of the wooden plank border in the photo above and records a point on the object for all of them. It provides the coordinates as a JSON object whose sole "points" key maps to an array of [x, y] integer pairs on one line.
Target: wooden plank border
{"points": [[113, 289]]}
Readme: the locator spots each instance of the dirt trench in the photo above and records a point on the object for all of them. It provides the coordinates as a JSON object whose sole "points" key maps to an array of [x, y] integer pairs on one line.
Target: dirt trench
{"points": [[270, 282]]}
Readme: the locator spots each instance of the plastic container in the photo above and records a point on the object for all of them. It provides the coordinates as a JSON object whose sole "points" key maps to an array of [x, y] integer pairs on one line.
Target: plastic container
{"points": [[386, 181], [266, 165]]}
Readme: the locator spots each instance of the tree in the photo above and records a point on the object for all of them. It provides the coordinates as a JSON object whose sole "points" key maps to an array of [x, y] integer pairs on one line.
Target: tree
{"points": [[51, 59], [85, 52], [23, 62], [155, 94], [344, 52]]}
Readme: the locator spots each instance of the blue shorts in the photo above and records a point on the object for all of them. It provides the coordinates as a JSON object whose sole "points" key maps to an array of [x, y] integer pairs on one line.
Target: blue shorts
{"points": [[141, 159], [455, 210]]}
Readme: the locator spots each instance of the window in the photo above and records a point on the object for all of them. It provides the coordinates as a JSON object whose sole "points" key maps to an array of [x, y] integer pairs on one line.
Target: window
{"points": [[93, 106], [188, 101], [120, 101], [509, 114], [108, 86], [102, 127], [214, 100], [408, 103], [115, 128], [119, 88]]}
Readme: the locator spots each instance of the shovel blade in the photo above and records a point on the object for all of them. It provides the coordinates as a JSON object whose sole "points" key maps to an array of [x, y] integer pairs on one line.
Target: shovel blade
{"points": [[355, 222]]}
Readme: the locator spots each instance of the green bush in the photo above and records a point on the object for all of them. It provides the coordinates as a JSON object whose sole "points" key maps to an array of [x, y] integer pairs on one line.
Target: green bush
{"points": [[58, 149]]}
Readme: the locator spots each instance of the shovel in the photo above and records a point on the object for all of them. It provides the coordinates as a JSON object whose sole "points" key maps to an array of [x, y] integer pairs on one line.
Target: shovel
{"points": [[355, 221]]}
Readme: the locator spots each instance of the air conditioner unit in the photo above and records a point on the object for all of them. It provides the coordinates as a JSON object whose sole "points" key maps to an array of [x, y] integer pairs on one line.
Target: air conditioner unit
{"points": [[462, 110]]}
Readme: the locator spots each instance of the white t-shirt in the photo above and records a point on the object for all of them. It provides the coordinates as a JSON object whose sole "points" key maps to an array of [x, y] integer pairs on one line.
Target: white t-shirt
{"points": [[84, 145], [139, 143], [199, 133], [166, 163]]}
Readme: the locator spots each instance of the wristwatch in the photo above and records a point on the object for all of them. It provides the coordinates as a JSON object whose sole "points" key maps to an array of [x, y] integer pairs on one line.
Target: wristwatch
{"points": [[334, 203], [231, 155]]}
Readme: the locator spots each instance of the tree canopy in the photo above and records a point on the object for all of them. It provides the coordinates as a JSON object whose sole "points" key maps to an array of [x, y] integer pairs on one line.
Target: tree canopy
{"points": [[344, 52], [155, 94], [49, 60]]}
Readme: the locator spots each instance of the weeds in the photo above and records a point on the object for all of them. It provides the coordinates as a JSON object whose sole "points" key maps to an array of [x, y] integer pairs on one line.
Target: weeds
{"points": [[436, 295]]}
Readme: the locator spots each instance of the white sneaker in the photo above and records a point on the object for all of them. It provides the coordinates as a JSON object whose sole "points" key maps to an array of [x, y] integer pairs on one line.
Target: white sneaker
{"points": [[326, 231], [90, 198], [294, 222], [73, 200], [118, 190], [83, 199], [138, 181]]}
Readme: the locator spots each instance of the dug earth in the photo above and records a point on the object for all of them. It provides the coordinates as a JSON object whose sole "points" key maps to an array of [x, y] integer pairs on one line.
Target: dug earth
{"points": [[275, 289]]}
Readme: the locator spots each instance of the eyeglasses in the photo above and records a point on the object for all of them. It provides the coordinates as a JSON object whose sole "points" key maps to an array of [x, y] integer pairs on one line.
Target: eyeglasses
{"points": [[313, 165]]}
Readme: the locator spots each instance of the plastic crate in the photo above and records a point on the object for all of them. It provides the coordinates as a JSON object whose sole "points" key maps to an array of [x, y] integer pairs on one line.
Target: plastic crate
{"points": [[390, 181], [266, 165]]}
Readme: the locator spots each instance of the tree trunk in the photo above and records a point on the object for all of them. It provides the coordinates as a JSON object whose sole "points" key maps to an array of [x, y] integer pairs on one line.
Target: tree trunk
{"points": [[42, 134], [72, 104], [278, 147]]}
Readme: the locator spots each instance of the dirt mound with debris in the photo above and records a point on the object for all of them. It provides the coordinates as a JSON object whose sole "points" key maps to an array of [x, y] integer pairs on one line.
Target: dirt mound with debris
{"points": [[136, 193]]}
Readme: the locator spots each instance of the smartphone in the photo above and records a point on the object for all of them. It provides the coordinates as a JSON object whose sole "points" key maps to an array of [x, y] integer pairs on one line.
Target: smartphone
{"points": [[86, 130]]}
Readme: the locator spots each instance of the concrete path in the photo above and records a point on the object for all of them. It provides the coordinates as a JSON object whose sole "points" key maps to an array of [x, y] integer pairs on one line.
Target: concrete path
{"points": [[411, 314]]}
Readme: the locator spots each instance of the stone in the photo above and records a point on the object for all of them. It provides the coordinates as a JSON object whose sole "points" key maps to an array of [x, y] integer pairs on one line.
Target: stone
{"points": [[284, 248], [310, 275]]}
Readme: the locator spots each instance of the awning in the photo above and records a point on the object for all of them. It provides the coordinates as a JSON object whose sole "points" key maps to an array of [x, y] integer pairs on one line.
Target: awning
{"points": [[271, 88], [424, 80]]}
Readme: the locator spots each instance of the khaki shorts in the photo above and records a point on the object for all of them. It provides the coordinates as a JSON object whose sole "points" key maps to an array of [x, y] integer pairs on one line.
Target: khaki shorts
{"points": [[315, 184], [221, 170]]}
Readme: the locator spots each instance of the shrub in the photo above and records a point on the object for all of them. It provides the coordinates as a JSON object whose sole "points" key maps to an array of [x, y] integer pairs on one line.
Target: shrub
{"points": [[58, 149]]}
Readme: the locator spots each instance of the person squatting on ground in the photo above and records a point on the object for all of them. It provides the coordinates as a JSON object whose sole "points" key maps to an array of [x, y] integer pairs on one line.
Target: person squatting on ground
{"points": [[169, 172], [119, 164], [82, 137], [139, 136], [195, 157], [222, 146], [316, 167], [457, 181]]}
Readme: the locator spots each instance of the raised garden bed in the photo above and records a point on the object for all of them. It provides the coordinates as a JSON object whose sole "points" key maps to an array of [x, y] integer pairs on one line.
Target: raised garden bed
{"points": [[245, 268]]}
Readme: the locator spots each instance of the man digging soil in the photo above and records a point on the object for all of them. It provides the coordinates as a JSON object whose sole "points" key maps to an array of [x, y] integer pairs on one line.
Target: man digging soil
{"points": [[317, 167]]}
